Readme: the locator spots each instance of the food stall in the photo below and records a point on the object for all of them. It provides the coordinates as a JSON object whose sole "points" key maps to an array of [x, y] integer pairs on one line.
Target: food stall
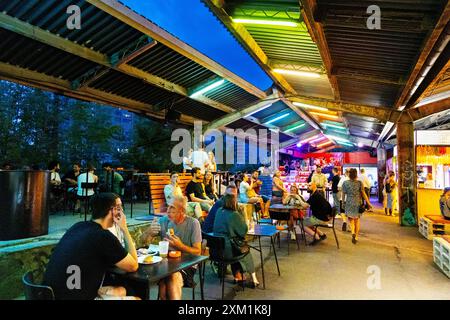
{"points": [[432, 162]]}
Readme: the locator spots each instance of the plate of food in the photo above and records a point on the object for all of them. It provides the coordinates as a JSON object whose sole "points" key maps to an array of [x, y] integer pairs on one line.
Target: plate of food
{"points": [[149, 259], [145, 251]]}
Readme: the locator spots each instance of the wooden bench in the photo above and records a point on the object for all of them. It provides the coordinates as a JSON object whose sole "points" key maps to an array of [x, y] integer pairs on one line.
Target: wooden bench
{"points": [[157, 182]]}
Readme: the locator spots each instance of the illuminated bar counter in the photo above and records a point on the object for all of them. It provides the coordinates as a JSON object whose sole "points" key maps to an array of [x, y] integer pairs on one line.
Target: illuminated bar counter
{"points": [[428, 201]]}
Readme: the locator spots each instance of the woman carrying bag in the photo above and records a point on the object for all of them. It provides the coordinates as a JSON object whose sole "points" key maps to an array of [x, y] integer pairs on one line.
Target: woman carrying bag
{"points": [[354, 194]]}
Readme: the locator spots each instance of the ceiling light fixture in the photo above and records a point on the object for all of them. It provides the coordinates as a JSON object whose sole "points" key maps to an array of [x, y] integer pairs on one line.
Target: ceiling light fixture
{"points": [[298, 73], [324, 115], [308, 106], [277, 118], [280, 23], [295, 128], [207, 88]]}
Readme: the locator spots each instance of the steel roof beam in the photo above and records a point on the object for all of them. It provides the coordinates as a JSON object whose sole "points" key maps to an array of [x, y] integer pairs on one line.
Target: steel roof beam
{"points": [[380, 113], [318, 35], [426, 50], [249, 43], [128, 16], [304, 136], [232, 117], [428, 109], [55, 41], [64, 87]]}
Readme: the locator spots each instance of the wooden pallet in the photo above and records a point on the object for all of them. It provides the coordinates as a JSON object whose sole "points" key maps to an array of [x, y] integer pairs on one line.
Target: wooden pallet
{"points": [[433, 226], [441, 254]]}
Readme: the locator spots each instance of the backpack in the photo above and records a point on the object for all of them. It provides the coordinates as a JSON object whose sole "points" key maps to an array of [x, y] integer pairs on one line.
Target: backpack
{"points": [[388, 188]]}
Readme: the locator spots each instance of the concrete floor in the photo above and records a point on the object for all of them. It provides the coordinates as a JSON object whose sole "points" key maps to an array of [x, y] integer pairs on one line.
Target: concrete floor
{"points": [[403, 256]]}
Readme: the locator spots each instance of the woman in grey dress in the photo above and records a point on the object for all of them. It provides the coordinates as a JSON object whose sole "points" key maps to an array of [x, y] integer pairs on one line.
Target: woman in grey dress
{"points": [[353, 194]]}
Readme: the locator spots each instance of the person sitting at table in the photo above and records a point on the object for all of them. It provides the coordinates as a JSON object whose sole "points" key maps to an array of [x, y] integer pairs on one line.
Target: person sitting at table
{"points": [[56, 190], [278, 189], [257, 187], [112, 180], [296, 200], [187, 238], [195, 190], [70, 180], [248, 195], [230, 223], [321, 213], [208, 224], [173, 190], [208, 182], [87, 250]]}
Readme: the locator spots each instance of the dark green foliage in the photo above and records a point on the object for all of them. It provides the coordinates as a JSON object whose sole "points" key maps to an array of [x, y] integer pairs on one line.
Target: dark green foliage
{"points": [[37, 127]]}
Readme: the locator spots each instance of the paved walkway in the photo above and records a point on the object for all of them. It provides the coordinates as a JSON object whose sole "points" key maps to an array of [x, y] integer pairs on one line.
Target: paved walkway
{"points": [[403, 256]]}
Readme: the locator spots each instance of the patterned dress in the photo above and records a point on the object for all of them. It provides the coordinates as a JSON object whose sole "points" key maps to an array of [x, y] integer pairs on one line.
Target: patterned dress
{"points": [[352, 189]]}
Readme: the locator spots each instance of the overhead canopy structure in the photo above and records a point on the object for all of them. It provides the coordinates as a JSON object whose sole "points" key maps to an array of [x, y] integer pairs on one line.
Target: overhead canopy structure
{"points": [[336, 82], [371, 75], [118, 58]]}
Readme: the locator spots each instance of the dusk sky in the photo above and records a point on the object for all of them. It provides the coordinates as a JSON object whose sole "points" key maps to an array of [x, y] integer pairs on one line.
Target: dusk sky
{"points": [[193, 23]]}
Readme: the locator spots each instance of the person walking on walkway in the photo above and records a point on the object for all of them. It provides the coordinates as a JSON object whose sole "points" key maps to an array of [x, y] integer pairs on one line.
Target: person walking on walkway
{"points": [[341, 198], [354, 194]]}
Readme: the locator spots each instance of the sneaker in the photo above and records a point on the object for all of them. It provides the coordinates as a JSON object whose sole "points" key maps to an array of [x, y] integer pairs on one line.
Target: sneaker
{"points": [[293, 237], [323, 237], [344, 226], [314, 242], [354, 241]]}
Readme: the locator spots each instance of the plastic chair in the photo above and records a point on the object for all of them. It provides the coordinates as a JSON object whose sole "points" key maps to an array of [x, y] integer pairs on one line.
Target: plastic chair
{"points": [[284, 216], [85, 186], [216, 246], [328, 227], [34, 291]]}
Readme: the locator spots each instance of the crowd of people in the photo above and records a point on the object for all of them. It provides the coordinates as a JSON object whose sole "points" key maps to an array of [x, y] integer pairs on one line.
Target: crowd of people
{"points": [[185, 216]]}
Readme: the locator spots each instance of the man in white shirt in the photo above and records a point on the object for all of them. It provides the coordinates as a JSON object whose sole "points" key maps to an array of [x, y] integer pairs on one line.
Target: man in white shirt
{"points": [[55, 178], [200, 159], [366, 185], [320, 180]]}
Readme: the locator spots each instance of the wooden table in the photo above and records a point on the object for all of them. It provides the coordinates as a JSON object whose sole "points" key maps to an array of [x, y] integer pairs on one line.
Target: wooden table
{"points": [[265, 230], [151, 274]]}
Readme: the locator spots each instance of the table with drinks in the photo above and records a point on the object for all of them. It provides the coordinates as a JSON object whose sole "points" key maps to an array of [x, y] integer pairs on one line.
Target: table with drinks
{"points": [[160, 266]]}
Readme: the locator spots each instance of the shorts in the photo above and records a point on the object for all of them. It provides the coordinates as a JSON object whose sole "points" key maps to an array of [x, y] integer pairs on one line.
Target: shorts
{"points": [[277, 193], [265, 198], [313, 221], [188, 277]]}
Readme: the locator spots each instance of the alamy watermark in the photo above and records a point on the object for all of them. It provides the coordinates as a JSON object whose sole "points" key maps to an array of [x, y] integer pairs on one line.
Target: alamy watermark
{"points": [[261, 148], [74, 278], [74, 20], [374, 21], [374, 279]]}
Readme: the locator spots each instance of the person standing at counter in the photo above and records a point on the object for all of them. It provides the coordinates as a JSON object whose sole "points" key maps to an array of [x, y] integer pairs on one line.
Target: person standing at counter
{"points": [[429, 183], [320, 180]]}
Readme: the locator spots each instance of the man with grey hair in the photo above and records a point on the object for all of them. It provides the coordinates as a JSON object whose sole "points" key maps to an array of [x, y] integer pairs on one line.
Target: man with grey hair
{"points": [[184, 234]]}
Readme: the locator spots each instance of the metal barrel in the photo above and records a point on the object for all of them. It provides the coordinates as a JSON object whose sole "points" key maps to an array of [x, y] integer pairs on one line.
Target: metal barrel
{"points": [[24, 199]]}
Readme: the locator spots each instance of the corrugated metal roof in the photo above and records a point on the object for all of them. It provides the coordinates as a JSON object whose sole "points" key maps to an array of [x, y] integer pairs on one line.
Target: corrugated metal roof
{"points": [[231, 95], [104, 33], [372, 66], [170, 65], [33, 55], [282, 43]]}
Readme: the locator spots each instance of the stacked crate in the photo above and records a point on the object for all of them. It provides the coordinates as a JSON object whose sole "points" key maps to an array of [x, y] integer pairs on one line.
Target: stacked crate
{"points": [[441, 253], [433, 225]]}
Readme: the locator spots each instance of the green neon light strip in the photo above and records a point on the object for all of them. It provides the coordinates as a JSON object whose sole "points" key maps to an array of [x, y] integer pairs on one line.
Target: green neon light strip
{"points": [[207, 88]]}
